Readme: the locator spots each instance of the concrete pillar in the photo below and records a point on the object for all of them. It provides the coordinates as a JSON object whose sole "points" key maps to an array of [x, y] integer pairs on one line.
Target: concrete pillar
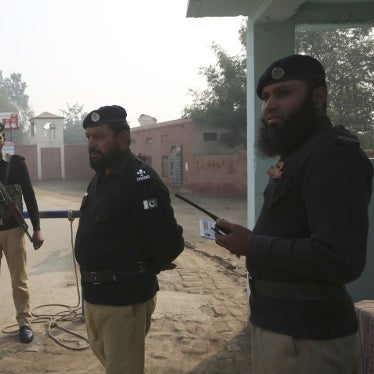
{"points": [[363, 287], [265, 43]]}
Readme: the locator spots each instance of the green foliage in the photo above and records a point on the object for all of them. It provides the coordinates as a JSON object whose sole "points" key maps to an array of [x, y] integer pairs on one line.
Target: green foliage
{"points": [[223, 104], [348, 58], [14, 99], [73, 130], [367, 140], [5, 103], [72, 114]]}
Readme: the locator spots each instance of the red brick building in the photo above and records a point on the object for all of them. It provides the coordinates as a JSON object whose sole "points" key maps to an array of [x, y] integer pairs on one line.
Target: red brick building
{"points": [[189, 157]]}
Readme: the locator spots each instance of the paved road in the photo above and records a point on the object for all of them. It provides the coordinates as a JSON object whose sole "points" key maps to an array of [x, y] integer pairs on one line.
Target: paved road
{"points": [[199, 325]]}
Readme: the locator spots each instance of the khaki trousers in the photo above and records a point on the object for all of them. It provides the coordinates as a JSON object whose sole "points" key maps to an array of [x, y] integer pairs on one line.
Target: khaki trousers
{"points": [[12, 245], [274, 353], [117, 335]]}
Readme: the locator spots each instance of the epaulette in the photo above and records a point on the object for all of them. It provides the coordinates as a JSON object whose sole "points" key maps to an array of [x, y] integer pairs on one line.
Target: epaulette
{"points": [[19, 157], [7, 157], [344, 137]]}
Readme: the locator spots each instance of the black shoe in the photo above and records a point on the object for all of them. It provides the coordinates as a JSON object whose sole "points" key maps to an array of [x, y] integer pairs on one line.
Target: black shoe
{"points": [[25, 334]]}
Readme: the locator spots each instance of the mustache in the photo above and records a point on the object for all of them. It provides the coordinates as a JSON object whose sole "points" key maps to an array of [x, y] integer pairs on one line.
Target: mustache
{"points": [[96, 151]]}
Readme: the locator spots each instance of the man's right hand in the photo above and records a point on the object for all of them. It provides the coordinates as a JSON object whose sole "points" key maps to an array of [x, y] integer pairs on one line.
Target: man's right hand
{"points": [[237, 240]]}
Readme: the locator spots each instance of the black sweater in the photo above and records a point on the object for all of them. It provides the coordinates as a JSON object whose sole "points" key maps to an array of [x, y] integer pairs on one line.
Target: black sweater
{"points": [[126, 218], [19, 174], [313, 228]]}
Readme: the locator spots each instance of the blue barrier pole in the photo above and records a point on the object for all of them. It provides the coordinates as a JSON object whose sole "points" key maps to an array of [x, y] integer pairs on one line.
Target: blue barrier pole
{"points": [[55, 214]]}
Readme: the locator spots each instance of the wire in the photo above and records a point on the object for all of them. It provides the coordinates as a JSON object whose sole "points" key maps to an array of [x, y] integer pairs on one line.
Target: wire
{"points": [[68, 314]]}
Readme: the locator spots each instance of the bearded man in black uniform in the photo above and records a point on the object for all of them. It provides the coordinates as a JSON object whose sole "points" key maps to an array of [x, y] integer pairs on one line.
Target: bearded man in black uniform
{"points": [[311, 235], [127, 234], [15, 177]]}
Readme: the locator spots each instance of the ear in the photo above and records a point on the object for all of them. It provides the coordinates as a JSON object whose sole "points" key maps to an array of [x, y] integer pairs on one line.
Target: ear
{"points": [[124, 138], [320, 97]]}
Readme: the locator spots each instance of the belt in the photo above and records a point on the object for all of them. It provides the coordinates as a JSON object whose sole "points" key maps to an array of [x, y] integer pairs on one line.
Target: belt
{"points": [[113, 275], [296, 290]]}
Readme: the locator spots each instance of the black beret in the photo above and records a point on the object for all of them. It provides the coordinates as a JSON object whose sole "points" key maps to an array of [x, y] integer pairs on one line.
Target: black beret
{"points": [[110, 114], [301, 67]]}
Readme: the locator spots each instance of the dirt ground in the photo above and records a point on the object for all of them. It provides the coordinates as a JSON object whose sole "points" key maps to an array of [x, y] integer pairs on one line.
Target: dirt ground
{"points": [[200, 322]]}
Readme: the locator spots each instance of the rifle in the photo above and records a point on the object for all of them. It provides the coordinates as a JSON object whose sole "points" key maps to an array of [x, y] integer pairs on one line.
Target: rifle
{"points": [[13, 209]]}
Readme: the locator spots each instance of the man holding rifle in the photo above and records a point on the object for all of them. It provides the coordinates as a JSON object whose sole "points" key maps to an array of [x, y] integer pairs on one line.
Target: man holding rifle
{"points": [[15, 183]]}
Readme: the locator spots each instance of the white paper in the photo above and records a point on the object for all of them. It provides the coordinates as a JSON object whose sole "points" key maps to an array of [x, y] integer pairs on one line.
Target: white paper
{"points": [[206, 229]]}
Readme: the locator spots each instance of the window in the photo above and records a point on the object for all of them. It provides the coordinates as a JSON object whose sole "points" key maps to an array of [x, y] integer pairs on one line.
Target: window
{"points": [[210, 136], [148, 140], [132, 141], [165, 166]]}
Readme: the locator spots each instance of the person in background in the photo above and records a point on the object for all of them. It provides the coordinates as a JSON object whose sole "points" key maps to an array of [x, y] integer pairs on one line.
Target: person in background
{"points": [[127, 234], [311, 235], [15, 177]]}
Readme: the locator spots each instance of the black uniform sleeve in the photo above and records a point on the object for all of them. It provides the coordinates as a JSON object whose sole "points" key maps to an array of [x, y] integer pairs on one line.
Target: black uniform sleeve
{"points": [[27, 192], [155, 215]]}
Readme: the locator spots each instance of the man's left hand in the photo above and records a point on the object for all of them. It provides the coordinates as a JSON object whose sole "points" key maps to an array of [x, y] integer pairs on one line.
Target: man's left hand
{"points": [[37, 239]]}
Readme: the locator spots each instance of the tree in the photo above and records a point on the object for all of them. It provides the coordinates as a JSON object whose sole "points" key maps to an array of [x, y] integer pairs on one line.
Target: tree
{"points": [[348, 58], [73, 130], [223, 104], [5, 104], [15, 89], [14, 99]]}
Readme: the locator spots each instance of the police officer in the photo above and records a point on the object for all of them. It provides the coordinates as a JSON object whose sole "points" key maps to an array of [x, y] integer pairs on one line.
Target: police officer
{"points": [[127, 234], [15, 177], [310, 238]]}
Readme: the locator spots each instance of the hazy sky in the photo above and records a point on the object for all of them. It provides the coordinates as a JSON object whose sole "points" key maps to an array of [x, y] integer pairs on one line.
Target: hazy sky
{"points": [[141, 54]]}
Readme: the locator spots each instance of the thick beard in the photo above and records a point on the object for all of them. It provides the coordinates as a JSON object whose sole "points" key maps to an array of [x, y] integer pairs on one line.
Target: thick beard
{"points": [[282, 139], [106, 161]]}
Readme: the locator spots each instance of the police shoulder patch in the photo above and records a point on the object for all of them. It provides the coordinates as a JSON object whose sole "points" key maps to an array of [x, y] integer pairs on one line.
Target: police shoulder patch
{"points": [[142, 175]]}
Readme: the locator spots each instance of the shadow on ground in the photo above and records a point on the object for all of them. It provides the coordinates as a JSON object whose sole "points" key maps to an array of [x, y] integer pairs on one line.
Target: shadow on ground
{"points": [[229, 360]]}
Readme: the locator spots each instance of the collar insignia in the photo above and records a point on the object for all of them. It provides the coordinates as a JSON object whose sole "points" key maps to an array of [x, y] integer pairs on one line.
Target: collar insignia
{"points": [[276, 171]]}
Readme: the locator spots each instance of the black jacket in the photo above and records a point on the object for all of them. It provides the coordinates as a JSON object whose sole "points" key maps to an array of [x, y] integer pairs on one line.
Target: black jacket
{"points": [[18, 174], [313, 228], [126, 218]]}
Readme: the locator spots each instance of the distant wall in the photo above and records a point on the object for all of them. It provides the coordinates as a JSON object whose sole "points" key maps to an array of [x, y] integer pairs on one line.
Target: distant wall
{"points": [[76, 161], [211, 169], [30, 154], [221, 174], [51, 163]]}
